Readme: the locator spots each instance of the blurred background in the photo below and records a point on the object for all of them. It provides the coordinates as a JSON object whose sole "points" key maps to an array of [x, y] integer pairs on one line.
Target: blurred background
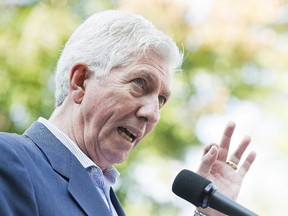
{"points": [[235, 69]]}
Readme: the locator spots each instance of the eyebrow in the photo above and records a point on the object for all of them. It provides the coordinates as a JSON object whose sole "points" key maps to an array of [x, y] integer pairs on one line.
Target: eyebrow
{"points": [[146, 74]]}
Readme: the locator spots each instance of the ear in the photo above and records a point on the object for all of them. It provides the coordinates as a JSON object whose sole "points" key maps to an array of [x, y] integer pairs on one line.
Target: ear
{"points": [[78, 75]]}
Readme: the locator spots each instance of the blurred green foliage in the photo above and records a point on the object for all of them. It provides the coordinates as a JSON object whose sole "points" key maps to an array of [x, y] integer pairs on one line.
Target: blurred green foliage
{"points": [[33, 33]]}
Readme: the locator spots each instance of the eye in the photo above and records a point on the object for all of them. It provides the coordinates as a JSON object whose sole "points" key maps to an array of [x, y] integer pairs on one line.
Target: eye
{"points": [[139, 82], [162, 101]]}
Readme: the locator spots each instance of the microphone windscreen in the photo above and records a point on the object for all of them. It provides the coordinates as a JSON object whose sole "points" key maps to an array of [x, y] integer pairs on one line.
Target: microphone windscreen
{"points": [[190, 186]]}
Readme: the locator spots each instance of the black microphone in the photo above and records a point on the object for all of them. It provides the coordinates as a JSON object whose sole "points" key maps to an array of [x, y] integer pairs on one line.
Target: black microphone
{"points": [[202, 193]]}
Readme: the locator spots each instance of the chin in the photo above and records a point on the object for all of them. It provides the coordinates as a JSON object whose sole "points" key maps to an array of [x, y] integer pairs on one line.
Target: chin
{"points": [[120, 159], [116, 158]]}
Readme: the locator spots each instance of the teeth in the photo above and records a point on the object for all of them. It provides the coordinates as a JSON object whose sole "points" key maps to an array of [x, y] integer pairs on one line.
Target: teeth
{"points": [[131, 132], [125, 136]]}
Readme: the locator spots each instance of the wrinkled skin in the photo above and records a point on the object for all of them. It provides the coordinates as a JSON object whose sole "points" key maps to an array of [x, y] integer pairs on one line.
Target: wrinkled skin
{"points": [[98, 112]]}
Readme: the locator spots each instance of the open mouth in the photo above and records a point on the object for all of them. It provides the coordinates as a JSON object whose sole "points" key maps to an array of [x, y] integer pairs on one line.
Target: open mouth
{"points": [[127, 134]]}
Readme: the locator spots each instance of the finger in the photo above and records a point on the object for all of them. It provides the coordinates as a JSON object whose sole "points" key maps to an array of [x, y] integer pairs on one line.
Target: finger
{"points": [[225, 141], [208, 160], [236, 156], [207, 148], [247, 164]]}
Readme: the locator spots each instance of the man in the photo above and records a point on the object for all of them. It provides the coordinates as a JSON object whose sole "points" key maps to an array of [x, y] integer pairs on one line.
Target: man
{"points": [[112, 80]]}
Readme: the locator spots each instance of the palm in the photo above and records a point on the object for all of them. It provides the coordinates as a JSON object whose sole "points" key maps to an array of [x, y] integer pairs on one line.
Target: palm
{"points": [[224, 177]]}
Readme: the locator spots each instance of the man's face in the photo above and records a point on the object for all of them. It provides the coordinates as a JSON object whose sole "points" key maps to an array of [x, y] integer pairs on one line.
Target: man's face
{"points": [[119, 110]]}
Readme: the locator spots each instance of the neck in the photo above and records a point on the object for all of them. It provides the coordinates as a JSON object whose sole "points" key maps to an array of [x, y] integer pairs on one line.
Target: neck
{"points": [[62, 118]]}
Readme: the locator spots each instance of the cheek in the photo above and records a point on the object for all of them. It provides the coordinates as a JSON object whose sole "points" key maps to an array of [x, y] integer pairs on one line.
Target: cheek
{"points": [[98, 106], [149, 129], [100, 116]]}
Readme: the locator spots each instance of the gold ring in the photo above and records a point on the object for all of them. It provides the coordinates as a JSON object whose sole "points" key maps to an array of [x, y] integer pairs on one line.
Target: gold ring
{"points": [[233, 165]]}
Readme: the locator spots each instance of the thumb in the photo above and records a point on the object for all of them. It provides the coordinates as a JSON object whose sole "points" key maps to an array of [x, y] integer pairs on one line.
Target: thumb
{"points": [[208, 160]]}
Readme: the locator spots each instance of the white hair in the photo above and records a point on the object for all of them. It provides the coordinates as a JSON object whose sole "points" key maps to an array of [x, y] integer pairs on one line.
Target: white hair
{"points": [[109, 39]]}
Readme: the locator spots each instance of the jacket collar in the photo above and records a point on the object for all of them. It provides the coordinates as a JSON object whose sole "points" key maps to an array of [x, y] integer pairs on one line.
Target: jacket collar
{"points": [[65, 163]]}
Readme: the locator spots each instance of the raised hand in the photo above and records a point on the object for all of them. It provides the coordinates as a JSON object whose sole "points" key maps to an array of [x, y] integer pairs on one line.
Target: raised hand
{"points": [[222, 169]]}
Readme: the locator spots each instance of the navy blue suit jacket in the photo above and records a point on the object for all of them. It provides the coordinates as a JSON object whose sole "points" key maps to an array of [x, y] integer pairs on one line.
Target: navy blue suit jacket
{"points": [[40, 176]]}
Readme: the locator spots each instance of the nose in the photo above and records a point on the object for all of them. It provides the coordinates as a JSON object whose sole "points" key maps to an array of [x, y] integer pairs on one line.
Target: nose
{"points": [[149, 111]]}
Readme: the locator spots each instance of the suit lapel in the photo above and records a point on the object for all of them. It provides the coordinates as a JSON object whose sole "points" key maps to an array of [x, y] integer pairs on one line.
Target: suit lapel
{"points": [[116, 203], [65, 163], [82, 189]]}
